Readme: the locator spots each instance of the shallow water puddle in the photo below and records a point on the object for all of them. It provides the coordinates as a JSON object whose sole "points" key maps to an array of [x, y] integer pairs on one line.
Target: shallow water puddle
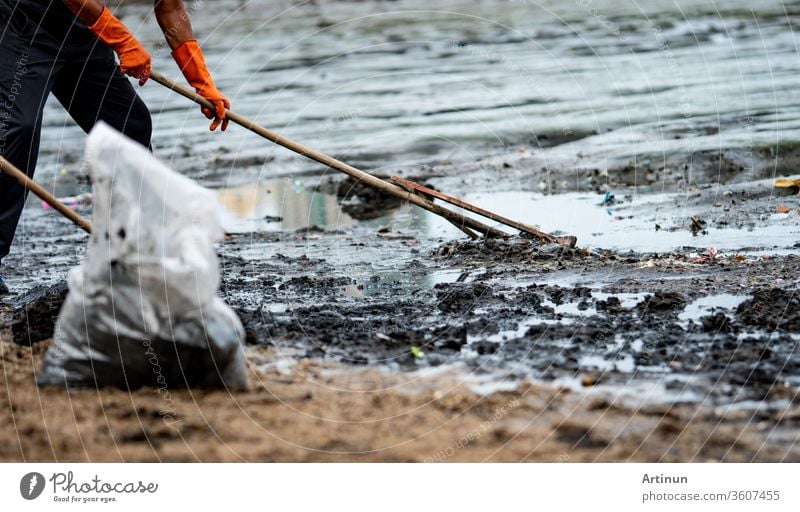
{"points": [[574, 308], [274, 205], [626, 226], [377, 282], [603, 363], [518, 332], [288, 204], [706, 305], [626, 300]]}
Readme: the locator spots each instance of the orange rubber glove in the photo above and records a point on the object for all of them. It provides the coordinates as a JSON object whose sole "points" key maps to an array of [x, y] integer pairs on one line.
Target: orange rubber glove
{"points": [[190, 60], [133, 58]]}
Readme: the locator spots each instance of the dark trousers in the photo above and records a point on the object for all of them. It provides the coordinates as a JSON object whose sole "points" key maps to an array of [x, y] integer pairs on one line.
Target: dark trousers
{"points": [[79, 70]]}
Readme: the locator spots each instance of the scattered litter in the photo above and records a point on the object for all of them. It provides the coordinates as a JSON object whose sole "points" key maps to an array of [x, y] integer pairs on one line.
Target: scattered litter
{"points": [[782, 209], [73, 202], [608, 200], [142, 308], [693, 259], [709, 256], [786, 183], [417, 353]]}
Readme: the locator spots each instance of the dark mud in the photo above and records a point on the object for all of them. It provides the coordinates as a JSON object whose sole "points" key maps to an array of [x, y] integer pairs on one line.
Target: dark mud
{"points": [[687, 325], [31, 317], [627, 326], [363, 202]]}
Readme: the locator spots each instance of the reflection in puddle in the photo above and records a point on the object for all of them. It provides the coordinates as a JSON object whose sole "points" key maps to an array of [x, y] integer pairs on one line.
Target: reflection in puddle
{"points": [[626, 300], [278, 205], [630, 226], [706, 305], [290, 204], [382, 281], [510, 334]]}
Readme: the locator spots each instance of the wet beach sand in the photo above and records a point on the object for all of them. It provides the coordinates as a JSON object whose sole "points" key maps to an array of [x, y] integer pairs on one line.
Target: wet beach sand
{"points": [[305, 416], [497, 350]]}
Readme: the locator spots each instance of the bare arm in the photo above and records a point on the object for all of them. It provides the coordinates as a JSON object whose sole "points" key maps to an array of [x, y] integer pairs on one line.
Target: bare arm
{"points": [[174, 21], [171, 16], [134, 59]]}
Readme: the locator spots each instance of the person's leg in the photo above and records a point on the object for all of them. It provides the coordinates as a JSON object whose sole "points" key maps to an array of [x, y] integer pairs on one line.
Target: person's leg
{"points": [[26, 76], [93, 89]]}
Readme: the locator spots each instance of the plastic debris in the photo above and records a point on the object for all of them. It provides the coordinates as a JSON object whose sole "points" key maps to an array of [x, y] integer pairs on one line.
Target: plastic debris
{"points": [[608, 200], [73, 202], [142, 308], [711, 256], [786, 186], [786, 183]]}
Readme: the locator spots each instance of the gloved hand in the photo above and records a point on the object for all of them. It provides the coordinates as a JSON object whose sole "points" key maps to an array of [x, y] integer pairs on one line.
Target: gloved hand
{"points": [[133, 58], [189, 58]]}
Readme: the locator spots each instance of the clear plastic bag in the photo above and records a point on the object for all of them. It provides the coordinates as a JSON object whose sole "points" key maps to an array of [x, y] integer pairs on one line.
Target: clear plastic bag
{"points": [[142, 310]]}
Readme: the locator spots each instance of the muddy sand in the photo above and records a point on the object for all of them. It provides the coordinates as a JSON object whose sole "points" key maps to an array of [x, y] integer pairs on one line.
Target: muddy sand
{"points": [[375, 332], [503, 350]]}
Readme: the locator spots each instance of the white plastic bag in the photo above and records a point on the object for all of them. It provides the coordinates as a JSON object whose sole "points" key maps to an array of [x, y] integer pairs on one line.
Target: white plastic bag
{"points": [[141, 309]]}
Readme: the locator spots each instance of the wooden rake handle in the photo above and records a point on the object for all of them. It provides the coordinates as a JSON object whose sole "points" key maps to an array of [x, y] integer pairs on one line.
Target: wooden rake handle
{"points": [[8, 168], [373, 181], [568, 241]]}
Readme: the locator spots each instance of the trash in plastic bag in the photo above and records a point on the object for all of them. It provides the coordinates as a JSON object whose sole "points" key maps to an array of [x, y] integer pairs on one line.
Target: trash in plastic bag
{"points": [[142, 309]]}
